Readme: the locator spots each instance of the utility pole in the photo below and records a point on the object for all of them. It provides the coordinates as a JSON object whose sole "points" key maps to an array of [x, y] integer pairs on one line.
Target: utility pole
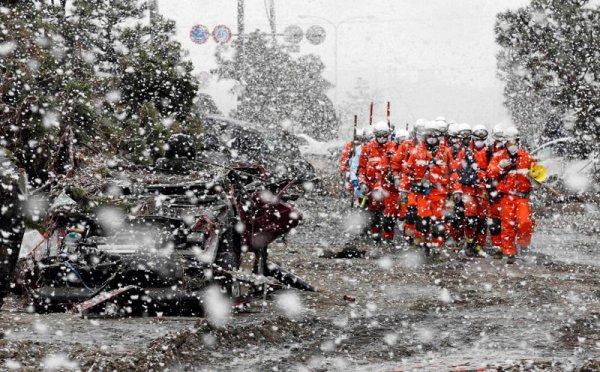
{"points": [[240, 9], [272, 23], [240, 16]]}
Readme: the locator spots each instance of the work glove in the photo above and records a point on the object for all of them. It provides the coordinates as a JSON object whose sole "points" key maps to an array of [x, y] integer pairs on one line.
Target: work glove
{"points": [[355, 184], [504, 163], [364, 188], [396, 182], [426, 183], [378, 194], [483, 194], [403, 197]]}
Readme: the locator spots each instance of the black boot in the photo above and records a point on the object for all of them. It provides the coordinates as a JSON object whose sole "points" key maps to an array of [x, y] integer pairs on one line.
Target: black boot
{"points": [[470, 248], [498, 253], [425, 248]]}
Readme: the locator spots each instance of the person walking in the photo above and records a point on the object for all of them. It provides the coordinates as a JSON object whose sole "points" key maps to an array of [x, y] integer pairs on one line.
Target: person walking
{"points": [[509, 169]]}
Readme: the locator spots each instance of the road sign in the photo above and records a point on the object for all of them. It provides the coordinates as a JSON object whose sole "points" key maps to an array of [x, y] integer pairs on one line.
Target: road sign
{"points": [[221, 34], [315, 34], [293, 34], [199, 34]]}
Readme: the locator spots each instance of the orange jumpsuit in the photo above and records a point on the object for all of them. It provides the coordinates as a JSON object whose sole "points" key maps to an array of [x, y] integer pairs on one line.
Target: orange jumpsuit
{"points": [[399, 161], [481, 156], [472, 182], [347, 153], [514, 187], [456, 221], [430, 173], [368, 163], [493, 214], [385, 180]]}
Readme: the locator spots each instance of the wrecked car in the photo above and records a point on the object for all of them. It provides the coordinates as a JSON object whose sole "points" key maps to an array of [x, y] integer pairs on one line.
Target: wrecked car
{"points": [[568, 172], [233, 141], [152, 242]]}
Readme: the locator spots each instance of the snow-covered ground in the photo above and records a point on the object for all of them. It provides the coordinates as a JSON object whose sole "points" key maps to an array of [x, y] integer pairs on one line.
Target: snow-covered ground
{"points": [[392, 310]]}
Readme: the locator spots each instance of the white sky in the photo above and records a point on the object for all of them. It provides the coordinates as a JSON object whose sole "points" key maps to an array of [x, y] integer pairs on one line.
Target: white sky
{"points": [[428, 57]]}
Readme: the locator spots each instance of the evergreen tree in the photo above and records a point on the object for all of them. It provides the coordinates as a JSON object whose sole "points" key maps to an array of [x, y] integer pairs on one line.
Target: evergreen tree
{"points": [[154, 76], [551, 66], [357, 103], [45, 86], [120, 83], [276, 88]]}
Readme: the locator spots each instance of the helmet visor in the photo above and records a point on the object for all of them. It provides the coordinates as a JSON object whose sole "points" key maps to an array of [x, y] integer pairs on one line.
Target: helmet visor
{"points": [[480, 133], [465, 133]]}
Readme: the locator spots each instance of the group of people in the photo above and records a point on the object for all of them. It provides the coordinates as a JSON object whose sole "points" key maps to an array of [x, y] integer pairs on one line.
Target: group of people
{"points": [[449, 184]]}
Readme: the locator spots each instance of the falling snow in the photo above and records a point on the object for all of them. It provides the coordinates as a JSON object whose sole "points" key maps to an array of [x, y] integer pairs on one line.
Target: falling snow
{"points": [[161, 211]]}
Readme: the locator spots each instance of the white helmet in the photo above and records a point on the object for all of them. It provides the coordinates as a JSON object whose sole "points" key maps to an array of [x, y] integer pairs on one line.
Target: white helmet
{"points": [[419, 129], [442, 126], [360, 135], [512, 134], [431, 127], [401, 135], [381, 129], [368, 133], [440, 118], [480, 131], [453, 130], [464, 129], [498, 132], [419, 124]]}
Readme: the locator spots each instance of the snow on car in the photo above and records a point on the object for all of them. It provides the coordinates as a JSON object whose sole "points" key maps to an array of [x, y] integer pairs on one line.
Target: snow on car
{"points": [[568, 172]]}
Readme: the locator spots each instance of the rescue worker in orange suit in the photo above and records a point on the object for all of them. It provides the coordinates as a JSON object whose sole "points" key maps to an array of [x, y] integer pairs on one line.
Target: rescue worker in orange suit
{"points": [[368, 163], [442, 127], [344, 161], [429, 173], [493, 214], [399, 168], [392, 211], [481, 152], [456, 217], [509, 169], [469, 179]]}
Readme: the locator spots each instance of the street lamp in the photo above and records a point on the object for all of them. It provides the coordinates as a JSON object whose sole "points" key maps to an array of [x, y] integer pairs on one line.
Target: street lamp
{"points": [[335, 26]]}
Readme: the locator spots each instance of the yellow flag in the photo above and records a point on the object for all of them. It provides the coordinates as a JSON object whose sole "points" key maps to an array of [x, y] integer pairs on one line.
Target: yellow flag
{"points": [[538, 172]]}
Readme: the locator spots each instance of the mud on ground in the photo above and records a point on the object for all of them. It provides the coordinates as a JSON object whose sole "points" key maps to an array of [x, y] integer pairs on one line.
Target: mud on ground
{"points": [[389, 309]]}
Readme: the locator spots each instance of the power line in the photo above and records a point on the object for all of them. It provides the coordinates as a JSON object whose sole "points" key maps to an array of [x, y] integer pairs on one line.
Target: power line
{"points": [[389, 20], [396, 20]]}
